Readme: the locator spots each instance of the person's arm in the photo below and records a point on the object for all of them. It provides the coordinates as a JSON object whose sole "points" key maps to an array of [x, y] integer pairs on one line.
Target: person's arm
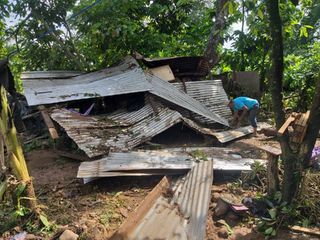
{"points": [[235, 118], [244, 110]]}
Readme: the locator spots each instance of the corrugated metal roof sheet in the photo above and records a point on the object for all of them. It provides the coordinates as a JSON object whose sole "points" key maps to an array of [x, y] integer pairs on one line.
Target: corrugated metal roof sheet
{"points": [[94, 136], [125, 118], [165, 90], [160, 162], [229, 135], [211, 94], [128, 77], [49, 74], [181, 217]]}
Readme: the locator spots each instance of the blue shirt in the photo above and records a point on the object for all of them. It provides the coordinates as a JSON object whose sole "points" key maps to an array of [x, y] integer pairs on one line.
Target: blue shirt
{"points": [[240, 102]]}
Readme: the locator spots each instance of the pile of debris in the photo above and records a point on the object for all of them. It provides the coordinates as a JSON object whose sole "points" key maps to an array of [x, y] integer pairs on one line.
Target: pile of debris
{"points": [[111, 113]]}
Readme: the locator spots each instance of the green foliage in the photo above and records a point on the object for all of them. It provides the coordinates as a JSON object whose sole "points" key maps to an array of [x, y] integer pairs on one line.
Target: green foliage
{"points": [[199, 155], [269, 225], [300, 76]]}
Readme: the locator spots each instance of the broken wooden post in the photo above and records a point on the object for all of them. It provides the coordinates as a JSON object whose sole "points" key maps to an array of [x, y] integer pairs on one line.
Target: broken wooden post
{"points": [[47, 120], [272, 168]]}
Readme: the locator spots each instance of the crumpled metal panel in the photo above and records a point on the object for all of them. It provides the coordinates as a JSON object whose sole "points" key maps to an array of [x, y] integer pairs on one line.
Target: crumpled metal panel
{"points": [[125, 78], [165, 90], [182, 216], [97, 135], [229, 135], [125, 118], [211, 94], [165, 161]]}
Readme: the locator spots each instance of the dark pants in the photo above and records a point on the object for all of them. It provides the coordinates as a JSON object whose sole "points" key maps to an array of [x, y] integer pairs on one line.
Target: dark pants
{"points": [[253, 112]]}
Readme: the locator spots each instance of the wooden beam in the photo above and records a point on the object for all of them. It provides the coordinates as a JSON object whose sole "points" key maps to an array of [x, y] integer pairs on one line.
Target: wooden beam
{"points": [[47, 120], [310, 231], [271, 150], [286, 125], [141, 210]]}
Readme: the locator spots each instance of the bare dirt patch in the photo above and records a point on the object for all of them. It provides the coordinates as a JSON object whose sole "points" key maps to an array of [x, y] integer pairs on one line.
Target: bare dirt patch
{"points": [[97, 209]]}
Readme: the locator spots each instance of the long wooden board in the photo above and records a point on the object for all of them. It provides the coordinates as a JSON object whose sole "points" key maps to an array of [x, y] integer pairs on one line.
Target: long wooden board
{"points": [[286, 125]]}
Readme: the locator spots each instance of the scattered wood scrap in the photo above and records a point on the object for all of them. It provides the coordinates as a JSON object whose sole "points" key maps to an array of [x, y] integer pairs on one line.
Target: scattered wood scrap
{"points": [[299, 123], [163, 72], [287, 123], [50, 125], [310, 231], [271, 150], [300, 128]]}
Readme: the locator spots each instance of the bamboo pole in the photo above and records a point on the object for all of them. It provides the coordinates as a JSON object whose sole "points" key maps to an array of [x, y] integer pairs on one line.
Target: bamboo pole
{"points": [[15, 151]]}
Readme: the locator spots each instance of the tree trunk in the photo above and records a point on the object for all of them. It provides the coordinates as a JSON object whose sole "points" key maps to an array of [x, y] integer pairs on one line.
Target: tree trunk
{"points": [[292, 159], [291, 167], [215, 38]]}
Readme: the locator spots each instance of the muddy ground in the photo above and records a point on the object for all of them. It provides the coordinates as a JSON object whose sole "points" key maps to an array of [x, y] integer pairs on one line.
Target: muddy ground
{"points": [[96, 210]]}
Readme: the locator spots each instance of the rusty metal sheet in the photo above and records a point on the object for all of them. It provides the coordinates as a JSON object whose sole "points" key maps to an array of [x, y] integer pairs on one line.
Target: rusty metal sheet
{"points": [[211, 94], [125, 118], [97, 135], [181, 216], [165, 161], [230, 135], [125, 78], [167, 91]]}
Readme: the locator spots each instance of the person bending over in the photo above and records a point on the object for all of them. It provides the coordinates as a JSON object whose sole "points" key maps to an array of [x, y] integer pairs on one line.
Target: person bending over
{"points": [[240, 106]]}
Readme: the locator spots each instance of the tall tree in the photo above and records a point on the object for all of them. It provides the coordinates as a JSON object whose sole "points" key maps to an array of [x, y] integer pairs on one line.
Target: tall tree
{"points": [[216, 34], [293, 158]]}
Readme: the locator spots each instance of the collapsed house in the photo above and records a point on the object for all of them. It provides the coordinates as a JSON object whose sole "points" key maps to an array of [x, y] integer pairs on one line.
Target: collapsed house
{"points": [[111, 113]]}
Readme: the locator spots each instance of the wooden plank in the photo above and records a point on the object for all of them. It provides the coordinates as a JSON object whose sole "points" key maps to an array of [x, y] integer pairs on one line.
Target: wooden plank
{"points": [[306, 118], [310, 231], [135, 216], [163, 72], [51, 128], [286, 125], [305, 124], [272, 150]]}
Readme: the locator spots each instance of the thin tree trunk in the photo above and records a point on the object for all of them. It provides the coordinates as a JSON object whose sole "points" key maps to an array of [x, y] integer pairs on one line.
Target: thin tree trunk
{"points": [[242, 66], [292, 173], [215, 38]]}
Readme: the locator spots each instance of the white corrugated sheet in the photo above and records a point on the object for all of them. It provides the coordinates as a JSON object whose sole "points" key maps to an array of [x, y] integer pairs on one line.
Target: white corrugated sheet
{"points": [[125, 78], [211, 94], [160, 162], [165, 90]]}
